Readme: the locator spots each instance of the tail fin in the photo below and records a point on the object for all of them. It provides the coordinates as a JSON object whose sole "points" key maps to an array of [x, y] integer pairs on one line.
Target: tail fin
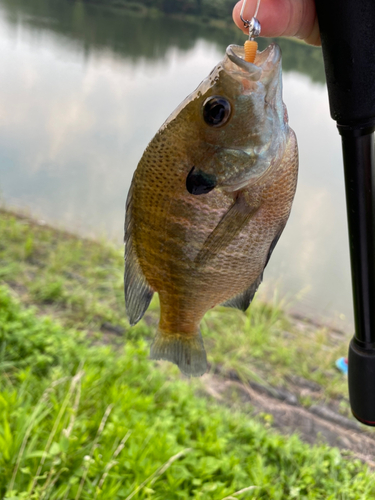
{"points": [[186, 351]]}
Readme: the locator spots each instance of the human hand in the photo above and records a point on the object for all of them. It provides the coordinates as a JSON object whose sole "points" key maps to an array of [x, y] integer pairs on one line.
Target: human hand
{"points": [[283, 18]]}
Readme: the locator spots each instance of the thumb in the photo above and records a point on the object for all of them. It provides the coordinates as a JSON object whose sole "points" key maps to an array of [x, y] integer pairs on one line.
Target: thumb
{"points": [[283, 18]]}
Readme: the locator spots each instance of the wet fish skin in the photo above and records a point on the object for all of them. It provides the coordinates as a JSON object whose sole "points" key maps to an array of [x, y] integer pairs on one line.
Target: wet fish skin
{"points": [[207, 248]]}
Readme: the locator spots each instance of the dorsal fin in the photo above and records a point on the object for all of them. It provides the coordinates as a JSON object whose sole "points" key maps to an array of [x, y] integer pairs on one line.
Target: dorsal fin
{"points": [[138, 293]]}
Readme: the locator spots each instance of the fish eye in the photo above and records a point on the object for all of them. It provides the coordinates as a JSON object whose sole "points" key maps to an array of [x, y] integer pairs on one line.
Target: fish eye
{"points": [[216, 111]]}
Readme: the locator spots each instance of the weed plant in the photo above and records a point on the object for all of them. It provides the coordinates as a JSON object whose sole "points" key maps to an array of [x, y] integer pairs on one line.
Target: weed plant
{"points": [[80, 282], [89, 422]]}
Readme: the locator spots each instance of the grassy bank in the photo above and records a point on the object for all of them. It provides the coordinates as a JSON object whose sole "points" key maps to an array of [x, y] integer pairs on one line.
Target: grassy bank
{"points": [[84, 420], [81, 283]]}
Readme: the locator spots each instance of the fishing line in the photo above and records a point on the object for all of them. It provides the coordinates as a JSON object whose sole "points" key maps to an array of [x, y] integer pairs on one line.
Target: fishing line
{"points": [[251, 46]]}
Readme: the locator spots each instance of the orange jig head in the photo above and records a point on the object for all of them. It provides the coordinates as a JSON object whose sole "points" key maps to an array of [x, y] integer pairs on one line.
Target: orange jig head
{"points": [[251, 45]]}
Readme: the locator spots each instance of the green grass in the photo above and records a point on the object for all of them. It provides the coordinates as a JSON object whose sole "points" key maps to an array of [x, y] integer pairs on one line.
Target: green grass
{"points": [[265, 343], [80, 282], [92, 422]]}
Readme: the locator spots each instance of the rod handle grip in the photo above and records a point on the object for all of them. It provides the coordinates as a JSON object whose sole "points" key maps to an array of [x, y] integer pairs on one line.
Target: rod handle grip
{"points": [[361, 377]]}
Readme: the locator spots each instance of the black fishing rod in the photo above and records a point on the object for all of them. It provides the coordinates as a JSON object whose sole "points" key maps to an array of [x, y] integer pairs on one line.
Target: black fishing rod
{"points": [[347, 29]]}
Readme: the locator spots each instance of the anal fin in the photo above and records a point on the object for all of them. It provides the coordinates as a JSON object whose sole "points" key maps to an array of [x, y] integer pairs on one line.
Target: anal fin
{"points": [[243, 299], [186, 351]]}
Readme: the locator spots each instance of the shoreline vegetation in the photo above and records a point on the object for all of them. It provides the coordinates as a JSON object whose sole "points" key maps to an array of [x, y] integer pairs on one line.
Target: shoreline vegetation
{"points": [[86, 415], [132, 29], [208, 12]]}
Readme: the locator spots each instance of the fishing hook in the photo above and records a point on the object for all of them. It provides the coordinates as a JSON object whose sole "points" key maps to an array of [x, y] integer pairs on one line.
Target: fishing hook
{"points": [[251, 46], [253, 24]]}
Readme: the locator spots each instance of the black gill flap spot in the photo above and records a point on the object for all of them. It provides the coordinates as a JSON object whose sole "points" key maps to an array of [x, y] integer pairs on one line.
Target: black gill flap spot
{"points": [[198, 182]]}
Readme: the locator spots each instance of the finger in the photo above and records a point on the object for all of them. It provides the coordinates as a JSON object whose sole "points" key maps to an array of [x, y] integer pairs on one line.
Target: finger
{"points": [[283, 18]]}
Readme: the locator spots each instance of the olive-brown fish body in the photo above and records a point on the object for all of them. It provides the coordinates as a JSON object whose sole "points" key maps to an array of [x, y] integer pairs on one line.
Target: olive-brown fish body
{"points": [[208, 202]]}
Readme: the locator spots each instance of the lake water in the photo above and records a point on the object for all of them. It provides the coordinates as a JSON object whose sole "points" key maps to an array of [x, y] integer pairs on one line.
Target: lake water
{"points": [[84, 89]]}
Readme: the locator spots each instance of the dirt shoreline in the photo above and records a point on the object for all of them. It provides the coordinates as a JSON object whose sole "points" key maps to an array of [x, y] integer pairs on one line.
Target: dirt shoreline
{"points": [[319, 423]]}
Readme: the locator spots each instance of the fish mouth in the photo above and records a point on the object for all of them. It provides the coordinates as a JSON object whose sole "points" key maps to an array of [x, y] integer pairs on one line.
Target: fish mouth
{"points": [[264, 61]]}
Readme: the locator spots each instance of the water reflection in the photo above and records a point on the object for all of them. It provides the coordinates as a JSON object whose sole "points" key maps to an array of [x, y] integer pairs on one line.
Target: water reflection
{"points": [[89, 28], [314, 246], [86, 90]]}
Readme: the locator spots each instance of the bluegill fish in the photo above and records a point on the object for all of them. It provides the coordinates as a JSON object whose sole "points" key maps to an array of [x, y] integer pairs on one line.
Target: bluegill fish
{"points": [[208, 202]]}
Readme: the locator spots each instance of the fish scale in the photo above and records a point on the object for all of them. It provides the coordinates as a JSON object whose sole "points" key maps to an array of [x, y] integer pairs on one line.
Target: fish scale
{"points": [[208, 202]]}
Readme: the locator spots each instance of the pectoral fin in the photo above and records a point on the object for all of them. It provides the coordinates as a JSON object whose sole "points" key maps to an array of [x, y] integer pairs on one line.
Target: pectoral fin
{"points": [[227, 229], [138, 293]]}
